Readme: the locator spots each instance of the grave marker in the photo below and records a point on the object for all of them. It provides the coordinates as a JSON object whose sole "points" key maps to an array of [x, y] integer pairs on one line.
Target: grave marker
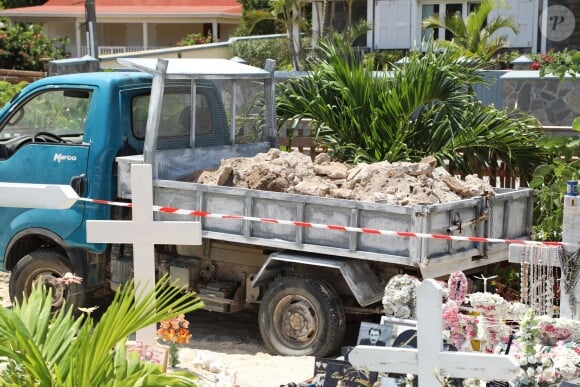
{"points": [[47, 196], [429, 361], [144, 233]]}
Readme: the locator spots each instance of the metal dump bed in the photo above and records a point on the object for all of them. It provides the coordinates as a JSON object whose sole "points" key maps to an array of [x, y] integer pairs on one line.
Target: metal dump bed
{"points": [[507, 215]]}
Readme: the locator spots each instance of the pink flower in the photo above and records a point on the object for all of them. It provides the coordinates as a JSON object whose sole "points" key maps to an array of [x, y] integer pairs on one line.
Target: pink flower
{"points": [[69, 278], [457, 286]]}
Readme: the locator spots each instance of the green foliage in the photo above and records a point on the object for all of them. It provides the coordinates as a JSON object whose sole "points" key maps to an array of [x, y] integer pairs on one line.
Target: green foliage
{"points": [[193, 39], [421, 108], [550, 181], [248, 26], [173, 355], [288, 17], [560, 64], [504, 58], [474, 34], [382, 60], [256, 51], [22, 3], [563, 163], [23, 46], [8, 90], [39, 347]]}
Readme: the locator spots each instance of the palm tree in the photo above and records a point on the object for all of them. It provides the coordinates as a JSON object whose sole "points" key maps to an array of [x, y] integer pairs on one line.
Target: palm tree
{"points": [[287, 15], [39, 347], [421, 108], [476, 35]]}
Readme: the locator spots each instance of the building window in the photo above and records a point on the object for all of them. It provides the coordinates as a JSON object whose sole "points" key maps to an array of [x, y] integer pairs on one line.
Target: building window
{"points": [[428, 10], [447, 8]]}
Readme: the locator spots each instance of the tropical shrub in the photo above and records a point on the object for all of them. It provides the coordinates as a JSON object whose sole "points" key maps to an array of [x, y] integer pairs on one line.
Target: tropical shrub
{"points": [[381, 60], [477, 34], [256, 51], [22, 3], [42, 348], [248, 26], [424, 107], [502, 60], [560, 64], [8, 90], [23, 47], [550, 181], [193, 39], [550, 178]]}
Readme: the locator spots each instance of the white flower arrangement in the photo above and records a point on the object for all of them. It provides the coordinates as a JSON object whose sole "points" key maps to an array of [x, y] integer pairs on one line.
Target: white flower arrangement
{"points": [[400, 296], [567, 361], [516, 310], [489, 304], [559, 328]]}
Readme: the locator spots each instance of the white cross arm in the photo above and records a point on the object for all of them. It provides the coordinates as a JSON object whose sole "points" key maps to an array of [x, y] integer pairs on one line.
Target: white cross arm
{"points": [[472, 364], [399, 360], [404, 361], [47, 196], [158, 233]]}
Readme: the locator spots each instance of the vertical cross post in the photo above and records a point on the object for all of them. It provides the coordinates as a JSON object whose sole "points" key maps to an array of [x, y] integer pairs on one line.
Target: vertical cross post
{"points": [[144, 233], [571, 234]]}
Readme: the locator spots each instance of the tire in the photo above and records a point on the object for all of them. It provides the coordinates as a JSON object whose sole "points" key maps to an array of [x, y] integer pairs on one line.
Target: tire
{"points": [[301, 316], [45, 266]]}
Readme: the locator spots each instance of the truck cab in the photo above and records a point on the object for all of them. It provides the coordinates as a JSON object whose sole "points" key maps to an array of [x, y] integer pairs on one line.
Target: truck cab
{"points": [[69, 130]]}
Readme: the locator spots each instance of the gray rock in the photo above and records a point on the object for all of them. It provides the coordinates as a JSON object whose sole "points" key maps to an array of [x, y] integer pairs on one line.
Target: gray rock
{"points": [[400, 183]]}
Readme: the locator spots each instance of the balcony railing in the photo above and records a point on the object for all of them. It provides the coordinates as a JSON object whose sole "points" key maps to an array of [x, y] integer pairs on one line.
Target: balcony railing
{"points": [[111, 50]]}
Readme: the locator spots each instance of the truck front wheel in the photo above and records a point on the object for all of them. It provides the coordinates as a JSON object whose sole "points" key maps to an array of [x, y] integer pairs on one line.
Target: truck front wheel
{"points": [[301, 316], [45, 266]]}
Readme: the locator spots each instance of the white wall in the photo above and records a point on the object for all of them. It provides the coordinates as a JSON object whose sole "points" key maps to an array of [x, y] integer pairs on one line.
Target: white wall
{"points": [[392, 24], [397, 24]]}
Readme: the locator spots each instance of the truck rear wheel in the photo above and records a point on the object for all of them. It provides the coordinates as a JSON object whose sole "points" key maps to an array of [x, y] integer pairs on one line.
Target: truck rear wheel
{"points": [[45, 266], [301, 316]]}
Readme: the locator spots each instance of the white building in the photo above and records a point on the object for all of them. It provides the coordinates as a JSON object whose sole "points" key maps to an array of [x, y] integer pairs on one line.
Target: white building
{"points": [[398, 22]]}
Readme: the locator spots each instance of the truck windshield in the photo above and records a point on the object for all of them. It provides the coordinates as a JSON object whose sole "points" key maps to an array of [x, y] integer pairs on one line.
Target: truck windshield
{"points": [[60, 112]]}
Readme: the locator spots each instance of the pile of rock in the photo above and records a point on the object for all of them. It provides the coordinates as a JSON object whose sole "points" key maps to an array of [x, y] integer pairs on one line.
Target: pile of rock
{"points": [[399, 183]]}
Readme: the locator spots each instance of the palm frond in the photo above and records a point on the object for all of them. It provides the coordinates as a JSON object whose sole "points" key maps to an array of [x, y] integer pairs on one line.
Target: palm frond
{"points": [[59, 349]]}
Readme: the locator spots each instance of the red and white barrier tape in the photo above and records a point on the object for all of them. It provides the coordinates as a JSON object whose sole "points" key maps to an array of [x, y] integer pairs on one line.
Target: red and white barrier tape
{"points": [[404, 234]]}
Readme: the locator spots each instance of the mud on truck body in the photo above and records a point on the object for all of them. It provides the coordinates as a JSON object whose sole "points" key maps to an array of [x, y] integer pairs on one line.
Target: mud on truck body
{"points": [[185, 115]]}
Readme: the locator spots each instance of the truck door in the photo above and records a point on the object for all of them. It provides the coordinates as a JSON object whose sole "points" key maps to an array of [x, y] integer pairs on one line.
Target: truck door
{"points": [[41, 142]]}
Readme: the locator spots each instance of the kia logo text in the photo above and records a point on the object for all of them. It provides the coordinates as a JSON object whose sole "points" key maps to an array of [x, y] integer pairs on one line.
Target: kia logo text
{"points": [[58, 157]]}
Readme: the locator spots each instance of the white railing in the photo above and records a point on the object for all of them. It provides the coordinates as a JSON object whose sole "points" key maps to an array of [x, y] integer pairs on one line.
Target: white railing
{"points": [[111, 50]]}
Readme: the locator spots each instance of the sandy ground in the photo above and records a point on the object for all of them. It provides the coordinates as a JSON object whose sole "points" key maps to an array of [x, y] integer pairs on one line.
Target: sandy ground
{"points": [[232, 344]]}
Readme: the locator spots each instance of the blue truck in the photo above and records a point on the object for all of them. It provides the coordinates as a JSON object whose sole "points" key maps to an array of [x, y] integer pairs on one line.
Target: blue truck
{"points": [[185, 115]]}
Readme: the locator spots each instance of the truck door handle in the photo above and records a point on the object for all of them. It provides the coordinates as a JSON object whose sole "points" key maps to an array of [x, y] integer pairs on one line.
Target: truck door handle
{"points": [[79, 183]]}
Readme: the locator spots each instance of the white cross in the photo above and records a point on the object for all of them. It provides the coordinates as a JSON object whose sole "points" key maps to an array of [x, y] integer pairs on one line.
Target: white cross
{"points": [[429, 361], [48, 196], [485, 281], [144, 233]]}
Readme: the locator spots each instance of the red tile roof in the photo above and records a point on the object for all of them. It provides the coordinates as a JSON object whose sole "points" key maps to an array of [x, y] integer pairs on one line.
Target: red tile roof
{"points": [[156, 7]]}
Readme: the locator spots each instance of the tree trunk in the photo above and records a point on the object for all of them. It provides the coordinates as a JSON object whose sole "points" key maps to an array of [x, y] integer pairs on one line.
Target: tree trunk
{"points": [[293, 33], [332, 14], [297, 40]]}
